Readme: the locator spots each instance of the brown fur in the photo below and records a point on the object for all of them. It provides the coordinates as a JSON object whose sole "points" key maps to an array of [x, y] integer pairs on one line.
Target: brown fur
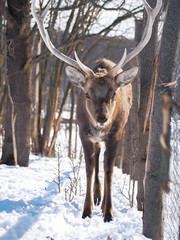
{"points": [[104, 64], [101, 86]]}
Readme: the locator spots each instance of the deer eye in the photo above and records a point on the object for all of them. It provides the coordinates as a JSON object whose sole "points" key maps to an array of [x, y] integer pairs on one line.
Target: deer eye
{"points": [[113, 95], [87, 95]]}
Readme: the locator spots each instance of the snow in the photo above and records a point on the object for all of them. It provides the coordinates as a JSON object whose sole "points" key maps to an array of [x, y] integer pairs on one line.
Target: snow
{"points": [[32, 208]]}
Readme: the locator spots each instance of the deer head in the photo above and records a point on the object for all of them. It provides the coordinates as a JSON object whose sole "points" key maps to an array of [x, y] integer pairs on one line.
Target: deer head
{"points": [[100, 90]]}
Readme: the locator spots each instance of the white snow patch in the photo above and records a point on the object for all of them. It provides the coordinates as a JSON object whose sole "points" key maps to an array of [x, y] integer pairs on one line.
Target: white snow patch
{"points": [[31, 208]]}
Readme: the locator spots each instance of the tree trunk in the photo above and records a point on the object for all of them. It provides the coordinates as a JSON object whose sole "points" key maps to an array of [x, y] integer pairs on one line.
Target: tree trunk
{"points": [[57, 123], [51, 109], [19, 80], [2, 38], [133, 153], [127, 151], [35, 134], [71, 123], [152, 221], [147, 61], [3, 89], [44, 70]]}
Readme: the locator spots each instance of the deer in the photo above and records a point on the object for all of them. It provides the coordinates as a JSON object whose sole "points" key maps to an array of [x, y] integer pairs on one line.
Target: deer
{"points": [[103, 107]]}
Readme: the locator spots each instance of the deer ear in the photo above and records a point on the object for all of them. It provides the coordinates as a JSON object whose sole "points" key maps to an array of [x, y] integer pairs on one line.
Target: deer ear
{"points": [[75, 76], [126, 77]]}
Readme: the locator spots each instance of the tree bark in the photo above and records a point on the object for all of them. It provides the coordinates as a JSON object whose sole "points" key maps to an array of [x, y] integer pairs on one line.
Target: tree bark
{"points": [[51, 109], [3, 89], [35, 134], [147, 61], [71, 123], [127, 151], [152, 221], [57, 123], [2, 37], [19, 80]]}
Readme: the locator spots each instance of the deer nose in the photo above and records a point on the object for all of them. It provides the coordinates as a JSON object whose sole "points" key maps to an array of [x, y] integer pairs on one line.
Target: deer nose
{"points": [[101, 119]]}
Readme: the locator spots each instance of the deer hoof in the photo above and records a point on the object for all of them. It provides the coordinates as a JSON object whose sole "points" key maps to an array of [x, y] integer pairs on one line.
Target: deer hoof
{"points": [[86, 213], [108, 217], [97, 201]]}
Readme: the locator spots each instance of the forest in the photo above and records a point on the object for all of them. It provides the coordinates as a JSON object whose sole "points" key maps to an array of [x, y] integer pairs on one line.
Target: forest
{"points": [[38, 119]]}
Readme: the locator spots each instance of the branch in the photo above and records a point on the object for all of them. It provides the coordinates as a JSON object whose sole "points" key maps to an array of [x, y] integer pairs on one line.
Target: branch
{"points": [[118, 20], [109, 8], [105, 31], [67, 8], [75, 6]]}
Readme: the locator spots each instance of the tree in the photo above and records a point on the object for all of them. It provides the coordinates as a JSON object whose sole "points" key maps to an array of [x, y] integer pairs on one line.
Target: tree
{"points": [[152, 221], [147, 63], [3, 89], [16, 145]]}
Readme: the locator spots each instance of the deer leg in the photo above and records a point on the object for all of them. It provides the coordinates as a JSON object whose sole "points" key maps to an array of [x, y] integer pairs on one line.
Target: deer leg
{"points": [[97, 184], [104, 197], [89, 159], [109, 160]]}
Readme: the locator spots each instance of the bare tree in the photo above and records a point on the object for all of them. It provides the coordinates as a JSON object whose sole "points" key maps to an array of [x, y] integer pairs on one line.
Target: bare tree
{"points": [[147, 64], [152, 221], [19, 80], [35, 134], [3, 89]]}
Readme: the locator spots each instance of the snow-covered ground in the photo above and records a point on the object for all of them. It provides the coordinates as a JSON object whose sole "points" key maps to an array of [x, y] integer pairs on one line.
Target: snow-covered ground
{"points": [[32, 208]]}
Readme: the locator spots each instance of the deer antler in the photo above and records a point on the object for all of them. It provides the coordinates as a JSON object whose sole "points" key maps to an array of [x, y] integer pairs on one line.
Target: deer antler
{"points": [[45, 36], [151, 15]]}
